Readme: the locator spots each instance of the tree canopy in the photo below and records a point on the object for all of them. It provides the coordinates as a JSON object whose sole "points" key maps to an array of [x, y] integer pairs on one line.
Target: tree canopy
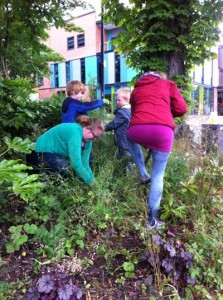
{"points": [[23, 28], [170, 35]]}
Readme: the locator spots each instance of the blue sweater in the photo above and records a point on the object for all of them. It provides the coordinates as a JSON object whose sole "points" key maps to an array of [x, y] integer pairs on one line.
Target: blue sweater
{"points": [[72, 108], [120, 124]]}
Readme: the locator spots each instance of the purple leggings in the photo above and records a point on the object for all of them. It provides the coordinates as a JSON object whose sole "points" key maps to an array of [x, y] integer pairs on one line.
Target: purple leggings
{"points": [[155, 137]]}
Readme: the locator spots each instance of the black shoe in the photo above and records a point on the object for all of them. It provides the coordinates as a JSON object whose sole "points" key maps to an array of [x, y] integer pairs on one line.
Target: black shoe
{"points": [[145, 179]]}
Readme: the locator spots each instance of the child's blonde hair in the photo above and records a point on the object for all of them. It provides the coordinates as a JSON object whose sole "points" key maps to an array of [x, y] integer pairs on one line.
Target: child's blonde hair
{"points": [[123, 92], [75, 87]]}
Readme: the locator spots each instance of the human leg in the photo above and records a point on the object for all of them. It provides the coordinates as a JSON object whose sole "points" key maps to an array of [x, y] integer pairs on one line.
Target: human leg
{"points": [[159, 163], [125, 155], [138, 158], [56, 163], [32, 159], [49, 162]]}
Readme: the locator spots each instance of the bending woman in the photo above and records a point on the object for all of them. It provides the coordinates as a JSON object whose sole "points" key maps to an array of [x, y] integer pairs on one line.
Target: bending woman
{"points": [[155, 102], [68, 146]]}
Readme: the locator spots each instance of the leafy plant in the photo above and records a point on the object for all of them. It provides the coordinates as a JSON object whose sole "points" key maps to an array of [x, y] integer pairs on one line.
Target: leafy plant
{"points": [[66, 216], [17, 239], [129, 269], [17, 112], [55, 286], [22, 117], [171, 208], [6, 289], [12, 171], [168, 254]]}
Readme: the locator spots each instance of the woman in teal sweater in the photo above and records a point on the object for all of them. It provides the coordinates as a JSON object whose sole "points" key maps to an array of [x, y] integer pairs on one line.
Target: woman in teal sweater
{"points": [[68, 145]]}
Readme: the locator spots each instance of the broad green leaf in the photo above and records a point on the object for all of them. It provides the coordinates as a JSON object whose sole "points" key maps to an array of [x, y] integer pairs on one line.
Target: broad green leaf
{"points": [[15, 229], [11, 170], [20, 145], [28, 187], [31, 229]]}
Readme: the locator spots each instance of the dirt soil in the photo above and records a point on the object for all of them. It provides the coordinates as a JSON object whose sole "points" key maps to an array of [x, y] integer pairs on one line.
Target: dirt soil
{"points": [[99, 279], [99, 275]]}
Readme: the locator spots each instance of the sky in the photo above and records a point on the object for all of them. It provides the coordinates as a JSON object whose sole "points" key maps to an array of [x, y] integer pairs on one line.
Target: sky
{"points": [[97, 7]]}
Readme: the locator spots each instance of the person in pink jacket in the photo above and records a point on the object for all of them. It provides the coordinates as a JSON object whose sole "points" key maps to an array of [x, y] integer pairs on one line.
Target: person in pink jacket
{"points": [[155, 102]]}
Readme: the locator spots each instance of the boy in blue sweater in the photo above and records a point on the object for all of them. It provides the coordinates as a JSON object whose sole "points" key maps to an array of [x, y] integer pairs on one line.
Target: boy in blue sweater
{"points": [[120, 124], [72, 106]]}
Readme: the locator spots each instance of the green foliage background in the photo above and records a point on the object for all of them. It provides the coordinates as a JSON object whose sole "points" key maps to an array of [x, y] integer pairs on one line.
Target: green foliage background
{"points": [[171, 36]]}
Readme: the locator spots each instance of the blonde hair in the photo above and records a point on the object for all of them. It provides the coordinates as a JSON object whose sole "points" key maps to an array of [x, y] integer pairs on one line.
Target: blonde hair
{"points": [[161, 74], [123, 92], [90, 122], [75, 87]]}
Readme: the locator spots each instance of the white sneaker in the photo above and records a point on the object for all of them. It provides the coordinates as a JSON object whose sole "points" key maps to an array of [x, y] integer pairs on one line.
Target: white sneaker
{"points": [[157, 225]]}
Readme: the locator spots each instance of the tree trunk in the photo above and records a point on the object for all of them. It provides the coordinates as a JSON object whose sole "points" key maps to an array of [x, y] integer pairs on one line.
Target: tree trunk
{"points": [[176, 64], [3, 68]]}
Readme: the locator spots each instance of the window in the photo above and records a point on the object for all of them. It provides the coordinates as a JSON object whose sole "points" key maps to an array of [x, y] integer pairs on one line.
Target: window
{"points": [[40, 81], [67, 71], [80, 40], [117, 67], [83, 77], [99, 67], [56, 75], [70, 43]]}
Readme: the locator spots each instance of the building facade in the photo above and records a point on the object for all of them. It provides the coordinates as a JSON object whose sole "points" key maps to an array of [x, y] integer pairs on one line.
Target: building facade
{"points": [[82, 61], [82, 58]]}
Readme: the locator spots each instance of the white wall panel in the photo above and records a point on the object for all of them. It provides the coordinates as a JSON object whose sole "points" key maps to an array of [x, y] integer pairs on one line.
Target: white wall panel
{"points": [[76, 68], [62, 74], [111, 67]]}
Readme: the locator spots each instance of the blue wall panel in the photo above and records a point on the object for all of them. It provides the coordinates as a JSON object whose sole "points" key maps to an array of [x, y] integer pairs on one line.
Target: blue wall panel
{"points": [[123, 69], [131, 73], [52, 76], [62, 74], [91, 69], [126, 73], [71, 70]]}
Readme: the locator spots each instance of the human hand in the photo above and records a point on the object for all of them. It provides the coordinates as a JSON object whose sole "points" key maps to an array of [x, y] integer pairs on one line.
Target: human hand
{"points": [[106, 101]]}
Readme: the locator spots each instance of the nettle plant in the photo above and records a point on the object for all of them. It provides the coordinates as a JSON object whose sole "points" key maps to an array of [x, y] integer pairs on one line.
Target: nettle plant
{"points": [[56, 285], [170, 255]]}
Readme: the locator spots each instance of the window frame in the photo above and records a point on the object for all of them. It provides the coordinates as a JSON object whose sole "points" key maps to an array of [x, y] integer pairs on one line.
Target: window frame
{"points": [[68, 69], [83, 70], [80, 43], [70, 43]]}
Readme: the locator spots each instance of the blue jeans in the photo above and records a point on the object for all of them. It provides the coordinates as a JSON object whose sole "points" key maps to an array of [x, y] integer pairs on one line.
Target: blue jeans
{"points": [[157, 174], [49, 163], [159, 163], [137, 157]]}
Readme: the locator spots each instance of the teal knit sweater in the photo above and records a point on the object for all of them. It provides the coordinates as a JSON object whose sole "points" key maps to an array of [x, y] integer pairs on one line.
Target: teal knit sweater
{"points": [[66, 139]]}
